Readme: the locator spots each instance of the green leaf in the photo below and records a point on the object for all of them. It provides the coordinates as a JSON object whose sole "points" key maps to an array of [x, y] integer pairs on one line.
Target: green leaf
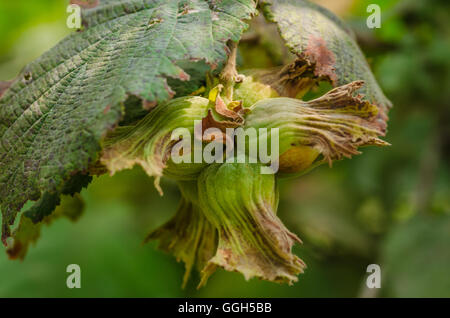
{"points": [[325, 47], [59, 108], [49, 201], [28, 231], [197, 72]]}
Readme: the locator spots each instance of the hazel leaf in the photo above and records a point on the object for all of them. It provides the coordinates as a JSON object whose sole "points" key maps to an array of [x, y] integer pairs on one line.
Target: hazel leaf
{"points": [[28, 231], [55, 113], [325, 47]]}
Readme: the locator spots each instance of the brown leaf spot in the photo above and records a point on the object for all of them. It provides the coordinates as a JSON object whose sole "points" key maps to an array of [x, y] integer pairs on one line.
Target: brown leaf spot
{"points": [[86, 4], [183, 76], [155, 21], [106, 109], [185, 9], [169, 90], [148, 105], [318, 53], [4, 86], [15, 251]]}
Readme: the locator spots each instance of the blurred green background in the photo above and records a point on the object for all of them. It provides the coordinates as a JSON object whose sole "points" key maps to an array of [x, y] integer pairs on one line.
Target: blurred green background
{"points": [[388, 206]]}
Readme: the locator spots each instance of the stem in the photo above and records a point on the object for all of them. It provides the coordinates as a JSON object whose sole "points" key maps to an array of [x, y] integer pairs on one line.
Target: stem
{"points": [[229, 75]]}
